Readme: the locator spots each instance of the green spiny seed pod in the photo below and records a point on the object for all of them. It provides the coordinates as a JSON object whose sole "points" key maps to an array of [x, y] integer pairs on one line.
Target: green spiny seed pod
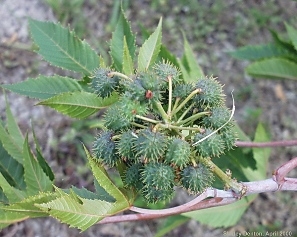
{"points": [[114, 120], [158, 180], [211, 93], [150, 145], [129, 107], [133, 176], [158, 175], [229, 136], [151, 84], [196, 179], [182, 90], [165, 70], [104, 148], [219, 116], [135, 90], [211, 147], [102, 84], [178, 153], [153, 195], [125, 146]]}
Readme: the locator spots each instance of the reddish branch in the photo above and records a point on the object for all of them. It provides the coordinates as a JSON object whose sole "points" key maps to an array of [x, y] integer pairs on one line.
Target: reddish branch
{"points": [[217, 197], [266, 144]]}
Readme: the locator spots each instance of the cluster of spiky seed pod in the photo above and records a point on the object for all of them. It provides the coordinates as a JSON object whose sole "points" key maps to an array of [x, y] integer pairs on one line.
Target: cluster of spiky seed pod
{"points": [[154, 126]]}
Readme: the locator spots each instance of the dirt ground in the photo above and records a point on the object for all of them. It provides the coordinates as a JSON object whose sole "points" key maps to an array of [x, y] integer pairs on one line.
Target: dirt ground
{"points": [[272, 102]]}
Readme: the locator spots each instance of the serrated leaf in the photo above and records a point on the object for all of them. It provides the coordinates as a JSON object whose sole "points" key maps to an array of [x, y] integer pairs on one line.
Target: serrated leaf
{"points": [[274, 68], [292, 32], [79, 104], [13, 194], [82, 214], [149, 51], [261, 155], [7, 218], [41, 160], [123, 30], [12, 127], [36, 180], [10, 145], [190, 68], [256, 52], [223, 216], [62, 48], [28, 206], [44, 87], [105, 182], [128, 66], [11, 169]]}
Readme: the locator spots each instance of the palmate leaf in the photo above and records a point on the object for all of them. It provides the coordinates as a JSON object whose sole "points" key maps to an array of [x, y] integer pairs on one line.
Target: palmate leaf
{"points": [[44, 87], [62, 48], [11, 169], [229, 215], [36, 180], [256, 52], [117, 45], [274, 68], [128, 66], [7, 218], [78, 104], [10, 145], [28, 206], [13, 194], [292, 32], [150, 49], [191, 71], [76, 211]]}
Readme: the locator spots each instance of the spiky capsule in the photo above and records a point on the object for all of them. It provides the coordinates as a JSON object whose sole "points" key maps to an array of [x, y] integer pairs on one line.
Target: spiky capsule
{"points": [[165, 70], [125, 146], [211, 93], [133, 176], [158, 180], [196, 179], [219, 116], [178, 153], [150, 145], [114, 120], [102, 84], [210, 147], [104, 148]]}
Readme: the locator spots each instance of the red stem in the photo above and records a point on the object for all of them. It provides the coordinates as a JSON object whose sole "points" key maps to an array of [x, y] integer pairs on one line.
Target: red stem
{"points": [[276, 183], [266, 144]]}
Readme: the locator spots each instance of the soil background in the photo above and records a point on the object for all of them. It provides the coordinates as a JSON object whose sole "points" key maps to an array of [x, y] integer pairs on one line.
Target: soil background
{"points": [[213, 28]]}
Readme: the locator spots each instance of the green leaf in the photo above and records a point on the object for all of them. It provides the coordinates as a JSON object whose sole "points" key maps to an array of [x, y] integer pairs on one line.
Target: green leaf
{"points": [[62, 48], [170, 224], [76, 211], [13, 194], [79, 104], [292, 32], [7, 218], [121, 33], [12, 127], [256, 52], [28, 206], [149, 51], [223, 216], [10, 145], [274, 68], [261, 155], [105, 182], [11, 169], [44, 87], [35, 178], [128, 66], [190, 69]]}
